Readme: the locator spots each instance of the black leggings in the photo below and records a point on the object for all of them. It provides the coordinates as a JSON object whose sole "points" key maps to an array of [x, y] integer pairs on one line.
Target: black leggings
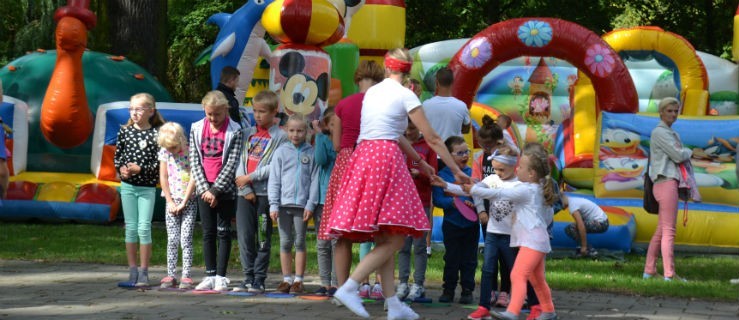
{"points": [[216, 224]]}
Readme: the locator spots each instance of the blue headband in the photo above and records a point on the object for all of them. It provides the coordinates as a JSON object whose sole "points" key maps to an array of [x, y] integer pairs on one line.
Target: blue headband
{"points": [[506, 160]]}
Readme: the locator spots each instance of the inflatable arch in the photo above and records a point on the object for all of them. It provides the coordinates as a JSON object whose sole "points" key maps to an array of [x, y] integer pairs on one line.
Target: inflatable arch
{"points": [[672, 51], [545, 37]]}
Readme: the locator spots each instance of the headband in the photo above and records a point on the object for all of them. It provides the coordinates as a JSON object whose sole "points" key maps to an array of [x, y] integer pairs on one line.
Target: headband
{"points": [[506, 160], [397, 65]]}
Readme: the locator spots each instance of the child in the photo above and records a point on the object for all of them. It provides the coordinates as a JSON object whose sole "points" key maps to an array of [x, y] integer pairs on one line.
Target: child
{"points": [[177, 189], [498, 239], [488, 137], [215, 146], [532, 201], [589, 218], [253, 224], [293, 194], [136, 161], [460, 234], [504, 122], [422, 182], [325, 157]]}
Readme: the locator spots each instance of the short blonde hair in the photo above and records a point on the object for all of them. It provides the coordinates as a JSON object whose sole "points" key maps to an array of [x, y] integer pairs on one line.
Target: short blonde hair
{"points": [[298, 117], [215, 98], [171, 135], [401, 54], [666, 102], [266, 98]]}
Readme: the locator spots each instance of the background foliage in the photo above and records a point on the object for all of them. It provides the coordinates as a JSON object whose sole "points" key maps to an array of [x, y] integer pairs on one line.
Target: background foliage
{"points": [[166, 36]]}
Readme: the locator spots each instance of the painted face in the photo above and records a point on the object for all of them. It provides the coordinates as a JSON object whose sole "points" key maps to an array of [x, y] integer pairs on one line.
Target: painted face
{"points": [[524, 171], [669, 114], [461, 154], [140, 112], [263, 116], [412, 133], [296, 132], [216, 115], [505, 172]]}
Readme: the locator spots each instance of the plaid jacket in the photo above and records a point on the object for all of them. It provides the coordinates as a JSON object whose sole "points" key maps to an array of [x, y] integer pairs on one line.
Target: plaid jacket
{"points": [[224, 184]]}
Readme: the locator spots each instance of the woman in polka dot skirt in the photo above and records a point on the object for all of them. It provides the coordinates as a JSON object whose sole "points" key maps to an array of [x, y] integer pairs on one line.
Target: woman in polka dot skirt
{"points": [[136, 161], [377, 199]]}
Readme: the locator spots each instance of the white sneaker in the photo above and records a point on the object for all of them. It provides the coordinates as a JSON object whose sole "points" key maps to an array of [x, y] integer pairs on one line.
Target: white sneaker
{"points": [[416, 292], [351, 301], [207, 284], [402, 312], [402, 291], [221, 283], [364, 291]]}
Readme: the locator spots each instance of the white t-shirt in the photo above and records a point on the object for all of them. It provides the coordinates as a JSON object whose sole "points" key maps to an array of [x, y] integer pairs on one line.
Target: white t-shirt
{"points": [[446, 115], [501, 211], [385, 111], [589, 211]]}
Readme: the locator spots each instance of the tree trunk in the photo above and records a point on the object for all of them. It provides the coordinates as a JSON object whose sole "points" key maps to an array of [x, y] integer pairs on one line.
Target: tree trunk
{"points": [[137, 29]]}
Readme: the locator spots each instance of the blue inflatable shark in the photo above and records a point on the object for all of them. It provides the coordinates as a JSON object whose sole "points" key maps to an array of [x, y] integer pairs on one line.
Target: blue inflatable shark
{"points": [[240, 43]]}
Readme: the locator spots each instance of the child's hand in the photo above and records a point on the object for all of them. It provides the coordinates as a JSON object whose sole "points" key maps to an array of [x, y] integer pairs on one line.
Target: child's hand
{"points": [[133, 168], [415, 173], [209, 198], [462, 177], [251, 197], [179, 208], [469, 203], [316, 126], [483, 216], [467, 187], [124, 172], [306, 215], [242, 181], [273, 215], [171, 206], [437, 181]]}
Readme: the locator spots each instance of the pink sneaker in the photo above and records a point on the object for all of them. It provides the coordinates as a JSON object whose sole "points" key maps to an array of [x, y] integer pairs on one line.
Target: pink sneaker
{"points": [[503, 300], [186, 283], [364, 291], [168, 282], [376, 292]]}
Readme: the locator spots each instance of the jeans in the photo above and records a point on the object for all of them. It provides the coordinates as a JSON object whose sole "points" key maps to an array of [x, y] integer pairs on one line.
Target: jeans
{"points": [[216, 225], [138, 208], [419, 256], [460, 256], [324, 253], [255, 239], [497, 248]]}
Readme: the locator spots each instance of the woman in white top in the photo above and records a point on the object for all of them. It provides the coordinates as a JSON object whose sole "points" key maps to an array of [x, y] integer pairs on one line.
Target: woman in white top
{"points": [[377, 199]]}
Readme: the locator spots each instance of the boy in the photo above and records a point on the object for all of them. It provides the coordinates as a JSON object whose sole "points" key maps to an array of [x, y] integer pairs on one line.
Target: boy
{"points": [[589, 218], [254, 227], [227, 85], [293, 195]]}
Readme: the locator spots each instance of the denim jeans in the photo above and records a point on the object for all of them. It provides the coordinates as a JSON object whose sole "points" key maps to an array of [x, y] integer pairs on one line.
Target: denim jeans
{"points": [[497, 248], [460, 256]]}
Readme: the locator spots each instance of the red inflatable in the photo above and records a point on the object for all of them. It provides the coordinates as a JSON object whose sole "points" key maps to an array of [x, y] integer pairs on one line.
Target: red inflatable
{"points": [[545, 37]]}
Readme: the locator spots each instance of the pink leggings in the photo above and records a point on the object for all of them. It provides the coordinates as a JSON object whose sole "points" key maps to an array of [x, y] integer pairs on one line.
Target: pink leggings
{"points": [[529, 266], [664, 237]]}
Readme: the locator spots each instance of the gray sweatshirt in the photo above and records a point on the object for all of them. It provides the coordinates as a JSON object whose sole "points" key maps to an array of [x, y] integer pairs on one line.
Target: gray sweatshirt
{"points": [[260, 175], [293, 178], [666, 153]]}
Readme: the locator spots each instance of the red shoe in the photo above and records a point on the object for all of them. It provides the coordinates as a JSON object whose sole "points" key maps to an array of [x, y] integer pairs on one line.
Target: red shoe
{"points": [[535, 312], [480, 314]]}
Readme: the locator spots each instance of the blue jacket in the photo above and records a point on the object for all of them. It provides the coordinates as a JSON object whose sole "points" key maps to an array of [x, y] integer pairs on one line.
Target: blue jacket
{"points": [[293, 178], [445, 202], [325, 158]]}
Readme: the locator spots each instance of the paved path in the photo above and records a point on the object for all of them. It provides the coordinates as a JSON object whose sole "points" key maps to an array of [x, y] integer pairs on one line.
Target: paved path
{"points": [[30, 290]]}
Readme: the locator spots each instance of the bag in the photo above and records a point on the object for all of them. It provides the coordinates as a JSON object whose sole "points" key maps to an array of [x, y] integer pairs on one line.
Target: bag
{"points": [[650, 203]]}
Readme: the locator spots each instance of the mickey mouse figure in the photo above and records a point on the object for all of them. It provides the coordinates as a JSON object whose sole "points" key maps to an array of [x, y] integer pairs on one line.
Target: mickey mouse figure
{"points": [[300, 92]]}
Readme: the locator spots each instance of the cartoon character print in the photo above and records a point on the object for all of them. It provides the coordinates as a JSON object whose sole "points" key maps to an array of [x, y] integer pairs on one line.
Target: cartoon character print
{"points": [[620, 143], [624, 173], [301, 93]]}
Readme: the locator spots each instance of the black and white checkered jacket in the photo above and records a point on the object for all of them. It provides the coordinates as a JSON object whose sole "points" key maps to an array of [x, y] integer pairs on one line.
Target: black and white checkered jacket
{"points": [[224, 185]]}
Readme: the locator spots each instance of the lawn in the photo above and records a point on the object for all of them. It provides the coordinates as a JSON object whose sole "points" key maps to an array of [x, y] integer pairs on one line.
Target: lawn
{"points": [[45, 242]]}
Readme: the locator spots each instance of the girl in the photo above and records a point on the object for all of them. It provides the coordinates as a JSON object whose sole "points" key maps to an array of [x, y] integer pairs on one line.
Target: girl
{"points": [[136, 161], [532, 201], [498, 239], [177, 187], [215, 148], [377, 199], [293, 193]]}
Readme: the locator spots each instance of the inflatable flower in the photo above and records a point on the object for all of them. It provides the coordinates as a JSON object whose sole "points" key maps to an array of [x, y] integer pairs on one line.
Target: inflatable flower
{"points": [[599, 60], [476, 53], [535, 33]]}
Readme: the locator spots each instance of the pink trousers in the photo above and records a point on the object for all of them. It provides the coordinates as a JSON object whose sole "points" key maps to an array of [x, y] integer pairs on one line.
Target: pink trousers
{"points": [[663, 239], [529, 265]]}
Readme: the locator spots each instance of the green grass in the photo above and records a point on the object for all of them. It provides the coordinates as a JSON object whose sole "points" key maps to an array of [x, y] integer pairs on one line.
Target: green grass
{"points": [[44, 242]]}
